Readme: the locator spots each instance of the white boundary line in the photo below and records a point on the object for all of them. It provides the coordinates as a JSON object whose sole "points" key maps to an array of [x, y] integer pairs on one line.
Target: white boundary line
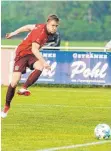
{"points": [[75, 146], [51, 48], [65, 106], [77, 90]]}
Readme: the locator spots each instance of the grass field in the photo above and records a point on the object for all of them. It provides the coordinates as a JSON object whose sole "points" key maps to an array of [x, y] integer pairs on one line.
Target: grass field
{"points": [[55, 117], [63, 43]]}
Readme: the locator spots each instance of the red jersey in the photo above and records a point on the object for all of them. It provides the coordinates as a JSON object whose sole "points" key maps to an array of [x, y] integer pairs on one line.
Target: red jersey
{"points": [[38, 34]]}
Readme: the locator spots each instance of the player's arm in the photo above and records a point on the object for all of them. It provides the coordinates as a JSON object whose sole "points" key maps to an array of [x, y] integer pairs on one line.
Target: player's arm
{"points": [[25, 28], [35, 51]]}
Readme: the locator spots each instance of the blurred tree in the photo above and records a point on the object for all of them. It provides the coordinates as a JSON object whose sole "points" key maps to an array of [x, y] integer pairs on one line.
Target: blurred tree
{"points": [[87, 20]]}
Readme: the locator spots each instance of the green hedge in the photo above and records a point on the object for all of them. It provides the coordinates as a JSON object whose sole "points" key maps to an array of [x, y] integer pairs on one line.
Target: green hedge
{"points": [[69, 86]]}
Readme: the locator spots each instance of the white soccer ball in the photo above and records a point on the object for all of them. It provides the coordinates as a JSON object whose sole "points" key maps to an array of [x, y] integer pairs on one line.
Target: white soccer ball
{"points": [[102, 131]]}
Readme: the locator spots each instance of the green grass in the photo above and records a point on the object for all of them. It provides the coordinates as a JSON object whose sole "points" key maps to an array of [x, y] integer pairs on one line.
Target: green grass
{"points": [[63, 43], [10, 41], [54, 117], [84, 43]]}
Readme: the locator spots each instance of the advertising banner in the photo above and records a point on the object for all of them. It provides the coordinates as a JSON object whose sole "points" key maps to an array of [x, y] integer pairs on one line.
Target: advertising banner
{"points": [[75, 67]]}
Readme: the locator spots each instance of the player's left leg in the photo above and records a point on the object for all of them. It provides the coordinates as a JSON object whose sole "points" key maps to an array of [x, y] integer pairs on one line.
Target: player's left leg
{"points": [[33, 77], [10, 93]]}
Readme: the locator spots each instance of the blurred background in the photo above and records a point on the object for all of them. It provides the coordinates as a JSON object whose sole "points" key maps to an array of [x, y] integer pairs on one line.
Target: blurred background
{"points": [[86, 23]]}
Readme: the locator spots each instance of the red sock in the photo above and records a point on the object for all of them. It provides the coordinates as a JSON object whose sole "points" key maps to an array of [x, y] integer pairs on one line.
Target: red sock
{"points": [[33, 77], [10, 95], [6, 108]]}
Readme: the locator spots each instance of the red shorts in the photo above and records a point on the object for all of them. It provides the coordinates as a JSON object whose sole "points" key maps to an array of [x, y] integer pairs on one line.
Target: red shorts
{"points": [[21, 64]]}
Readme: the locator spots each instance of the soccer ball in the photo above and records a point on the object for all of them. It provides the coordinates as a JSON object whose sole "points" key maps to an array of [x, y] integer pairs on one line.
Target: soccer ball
{"points": [[102, 131]]}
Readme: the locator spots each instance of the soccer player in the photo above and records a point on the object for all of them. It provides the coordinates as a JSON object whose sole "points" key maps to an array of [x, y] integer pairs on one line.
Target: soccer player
{"points": [[54, 40], [28, 55], [108, 46]]}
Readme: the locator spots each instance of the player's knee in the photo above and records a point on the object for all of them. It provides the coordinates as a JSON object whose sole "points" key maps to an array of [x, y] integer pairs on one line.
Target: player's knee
{"points": [[39, 67], [15, 79], [14, 83]]}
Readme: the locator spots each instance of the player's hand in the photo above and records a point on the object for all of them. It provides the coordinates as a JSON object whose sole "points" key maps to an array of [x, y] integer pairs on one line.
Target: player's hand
{"points": [[47, 66], [9, 35]]}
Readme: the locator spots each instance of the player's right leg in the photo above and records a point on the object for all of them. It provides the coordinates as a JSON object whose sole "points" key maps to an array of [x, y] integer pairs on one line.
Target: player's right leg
{"points": [[33, 77], [10, 93]]}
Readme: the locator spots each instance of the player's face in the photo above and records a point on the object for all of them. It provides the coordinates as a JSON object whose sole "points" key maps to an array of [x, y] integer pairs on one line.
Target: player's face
{"points": [[52, 26]]}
